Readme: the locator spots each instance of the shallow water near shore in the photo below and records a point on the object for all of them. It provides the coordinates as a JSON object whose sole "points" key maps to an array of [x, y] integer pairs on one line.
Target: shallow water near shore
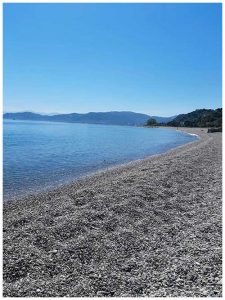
{"points": [[41, 155]]}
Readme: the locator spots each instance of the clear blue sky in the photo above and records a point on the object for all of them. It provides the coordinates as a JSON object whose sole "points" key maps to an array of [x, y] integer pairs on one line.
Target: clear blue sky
{"points": [[159, 59]]}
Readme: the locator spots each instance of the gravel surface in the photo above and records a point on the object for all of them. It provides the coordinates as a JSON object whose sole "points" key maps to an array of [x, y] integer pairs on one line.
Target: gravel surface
{"points": [[149, 228]]}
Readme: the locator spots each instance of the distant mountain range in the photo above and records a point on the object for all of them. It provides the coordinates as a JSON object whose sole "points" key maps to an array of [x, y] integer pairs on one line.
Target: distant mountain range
{"points": [[107, 118]]}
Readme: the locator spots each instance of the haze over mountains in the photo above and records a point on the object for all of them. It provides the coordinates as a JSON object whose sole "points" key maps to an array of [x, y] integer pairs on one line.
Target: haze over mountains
{"points": [[107, 118]]}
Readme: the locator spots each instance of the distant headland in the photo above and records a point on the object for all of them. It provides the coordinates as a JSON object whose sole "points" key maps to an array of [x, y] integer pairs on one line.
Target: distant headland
{"points": [[106, 118]]}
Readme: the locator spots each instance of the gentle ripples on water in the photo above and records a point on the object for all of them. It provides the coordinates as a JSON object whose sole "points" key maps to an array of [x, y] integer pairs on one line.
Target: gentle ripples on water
{"points": [[40, 155]]}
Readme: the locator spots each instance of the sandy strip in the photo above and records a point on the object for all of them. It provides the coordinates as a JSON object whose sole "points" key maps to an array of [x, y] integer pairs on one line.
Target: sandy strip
{"points": [[148, 228]]}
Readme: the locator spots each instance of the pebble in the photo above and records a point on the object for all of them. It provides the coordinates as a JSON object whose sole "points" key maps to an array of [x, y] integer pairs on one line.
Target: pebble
{"points": [[220, 282], [102, 293], [204, 292]]}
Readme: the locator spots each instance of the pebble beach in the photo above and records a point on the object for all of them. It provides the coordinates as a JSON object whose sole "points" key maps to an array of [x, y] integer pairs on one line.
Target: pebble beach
{"points": [[152, 227]]}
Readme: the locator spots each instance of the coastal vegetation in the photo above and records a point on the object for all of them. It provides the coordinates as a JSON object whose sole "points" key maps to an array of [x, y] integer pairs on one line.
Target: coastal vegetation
{"points": [[151, 122], [198, 118]]}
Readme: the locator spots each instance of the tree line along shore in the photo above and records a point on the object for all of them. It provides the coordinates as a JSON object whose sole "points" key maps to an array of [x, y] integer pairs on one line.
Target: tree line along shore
{"points": [[199, 118]]}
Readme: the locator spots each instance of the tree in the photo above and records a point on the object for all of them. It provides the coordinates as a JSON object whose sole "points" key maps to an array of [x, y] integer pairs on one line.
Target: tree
{"points": [[151, 122]]}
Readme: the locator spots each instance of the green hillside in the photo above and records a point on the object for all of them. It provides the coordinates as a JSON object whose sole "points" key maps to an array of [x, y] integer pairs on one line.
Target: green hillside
{"points": [[199, 118]]}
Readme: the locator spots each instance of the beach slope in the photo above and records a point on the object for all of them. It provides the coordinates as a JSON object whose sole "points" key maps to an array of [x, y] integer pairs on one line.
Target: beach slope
{"points": [[149, 228]]}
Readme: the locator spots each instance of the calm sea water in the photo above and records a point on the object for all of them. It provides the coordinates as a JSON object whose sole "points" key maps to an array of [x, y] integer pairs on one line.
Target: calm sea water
{"points": [[39, 155]]}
